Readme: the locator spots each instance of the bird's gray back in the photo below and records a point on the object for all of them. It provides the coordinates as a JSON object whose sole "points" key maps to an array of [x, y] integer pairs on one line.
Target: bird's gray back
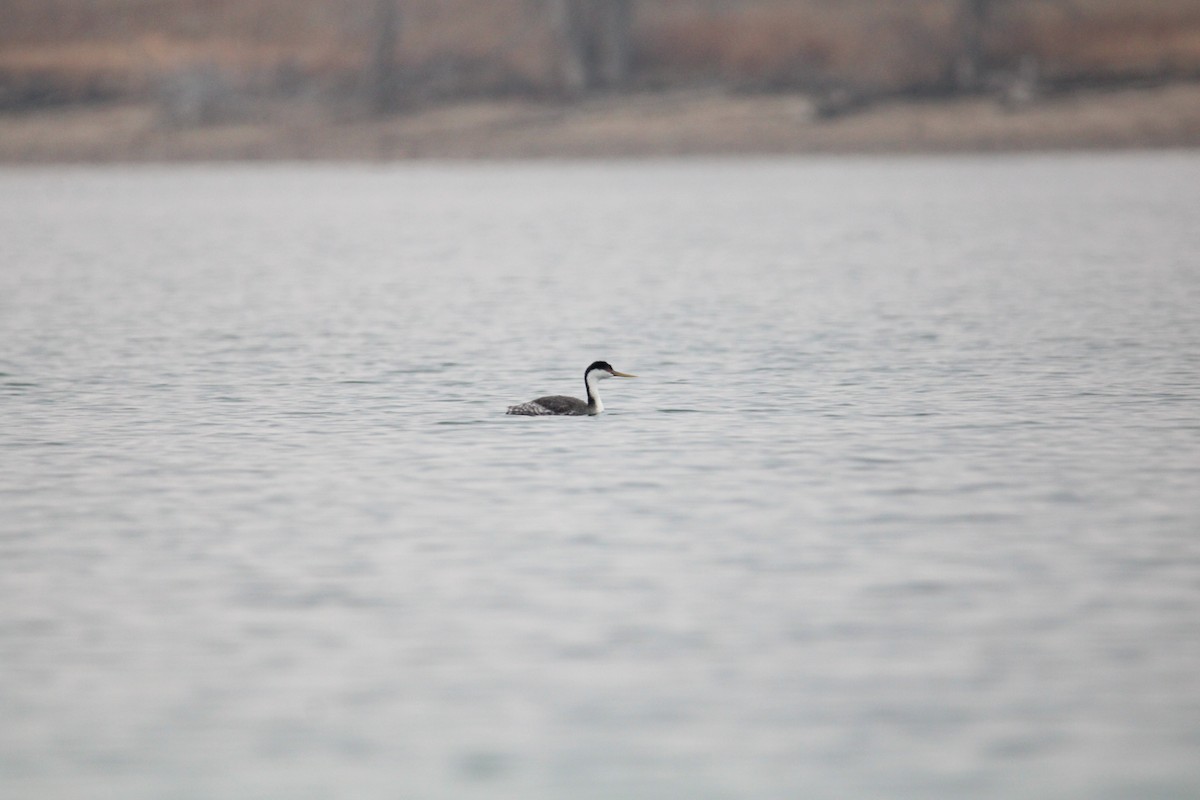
{"points": [[555, 404]]}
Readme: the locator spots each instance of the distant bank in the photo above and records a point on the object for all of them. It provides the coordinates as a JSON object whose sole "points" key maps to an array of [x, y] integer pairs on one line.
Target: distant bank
{"points": [[679, 123]]}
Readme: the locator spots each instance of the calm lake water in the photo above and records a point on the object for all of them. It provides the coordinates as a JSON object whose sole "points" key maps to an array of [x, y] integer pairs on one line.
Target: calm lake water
{"points": [[905, 503]]}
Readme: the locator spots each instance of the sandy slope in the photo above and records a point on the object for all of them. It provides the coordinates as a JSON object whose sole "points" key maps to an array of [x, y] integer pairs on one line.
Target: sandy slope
{"points": [[678, 123]]}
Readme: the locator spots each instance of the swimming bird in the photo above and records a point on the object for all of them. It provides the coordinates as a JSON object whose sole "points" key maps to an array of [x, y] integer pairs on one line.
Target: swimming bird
{"points": [[561, 405]]}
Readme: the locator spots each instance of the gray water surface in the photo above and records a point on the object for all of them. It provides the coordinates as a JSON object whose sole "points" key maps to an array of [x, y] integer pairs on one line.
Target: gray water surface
{"points": [[905, 502]]}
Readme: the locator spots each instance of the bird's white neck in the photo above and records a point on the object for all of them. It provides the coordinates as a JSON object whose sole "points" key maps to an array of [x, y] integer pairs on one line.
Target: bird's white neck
{"points": [[592, 381]]}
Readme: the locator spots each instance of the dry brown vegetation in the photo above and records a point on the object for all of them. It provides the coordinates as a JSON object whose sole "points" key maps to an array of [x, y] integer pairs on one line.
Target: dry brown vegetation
{"points": [[774, 44], [168, 79], [1114, 39], [78, 49], [68, 50], [913, 44]]}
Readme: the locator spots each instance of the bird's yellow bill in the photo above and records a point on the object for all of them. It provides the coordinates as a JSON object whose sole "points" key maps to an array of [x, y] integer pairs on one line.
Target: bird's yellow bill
{"points": [[623, 374]]}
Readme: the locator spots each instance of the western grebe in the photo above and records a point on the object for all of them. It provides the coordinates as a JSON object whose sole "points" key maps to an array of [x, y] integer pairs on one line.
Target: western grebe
{"points": [[561, 405]]}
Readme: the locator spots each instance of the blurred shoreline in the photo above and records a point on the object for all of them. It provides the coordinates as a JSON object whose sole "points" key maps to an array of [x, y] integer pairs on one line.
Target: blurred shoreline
{"points": [[693, 122]]}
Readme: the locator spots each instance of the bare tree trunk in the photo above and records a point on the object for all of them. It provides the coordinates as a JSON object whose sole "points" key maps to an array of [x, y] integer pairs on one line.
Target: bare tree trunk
{"points": [[973, 17], [573, 43], [596, 42], [617, 38], [384, 78]]}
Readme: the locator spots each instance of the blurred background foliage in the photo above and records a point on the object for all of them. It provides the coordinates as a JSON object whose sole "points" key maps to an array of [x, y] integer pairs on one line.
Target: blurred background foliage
{"points": [[203, 59]]}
